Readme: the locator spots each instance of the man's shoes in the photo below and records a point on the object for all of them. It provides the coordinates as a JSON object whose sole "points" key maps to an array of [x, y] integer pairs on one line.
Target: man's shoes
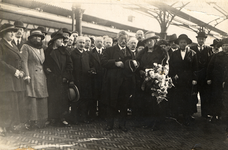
{"points": [[64, 124], [123, 128], [86, 121], [108, 128]]}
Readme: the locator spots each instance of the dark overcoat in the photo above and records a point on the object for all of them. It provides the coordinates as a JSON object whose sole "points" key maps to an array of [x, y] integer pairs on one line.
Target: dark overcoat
{"points": [[217, 72], [81, 75], [60, 64], [10, 61], [185, 70], [97, 79], [115, 76]]}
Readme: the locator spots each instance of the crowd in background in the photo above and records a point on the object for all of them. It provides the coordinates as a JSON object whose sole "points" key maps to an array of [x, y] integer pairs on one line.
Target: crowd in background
{"points": [[106, 75]]}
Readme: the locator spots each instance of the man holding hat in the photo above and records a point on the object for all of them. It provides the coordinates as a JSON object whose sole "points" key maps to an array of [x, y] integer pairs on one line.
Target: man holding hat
{"points": [[203, 57], [217, 78], [18, 39], [116, 87], [183, 64]]}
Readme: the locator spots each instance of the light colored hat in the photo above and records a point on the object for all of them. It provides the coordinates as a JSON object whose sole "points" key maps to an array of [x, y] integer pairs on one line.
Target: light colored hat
{"points": [[36, 32], [150, 35]]}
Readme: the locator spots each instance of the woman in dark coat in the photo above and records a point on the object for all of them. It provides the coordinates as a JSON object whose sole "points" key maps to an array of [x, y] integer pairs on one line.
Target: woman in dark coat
{"points": [[216, 77], [58, 68], [36, 84], [12, 90], [183, 65], [147, 57]]}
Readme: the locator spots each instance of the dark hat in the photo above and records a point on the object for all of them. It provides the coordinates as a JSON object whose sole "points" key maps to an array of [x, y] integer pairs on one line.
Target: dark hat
{"points": [[66, 31], [73, 93], [224, 41], [171, 38], [42, 29], [185, 37], [201, 34], [55, 36], [140, 43], [150, 35], [36, 32], [19, 24], [216, 42], [162, 42], [7, 27]]}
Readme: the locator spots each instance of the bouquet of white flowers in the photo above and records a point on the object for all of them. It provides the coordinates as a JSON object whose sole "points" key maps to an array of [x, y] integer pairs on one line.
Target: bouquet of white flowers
{"points": [[157, 80]]}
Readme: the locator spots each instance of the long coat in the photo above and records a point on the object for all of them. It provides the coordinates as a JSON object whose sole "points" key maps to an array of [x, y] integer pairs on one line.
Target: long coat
{"points": [[185, 70], [33, 66], [114, 76], [217, 72], [12, 111], [97, 79], [60, 64], [10, 61], [81, 75]]}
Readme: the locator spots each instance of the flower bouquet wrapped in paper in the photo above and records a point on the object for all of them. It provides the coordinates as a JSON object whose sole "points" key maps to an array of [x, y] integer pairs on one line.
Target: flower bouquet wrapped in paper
{"points": [[157, 81]]}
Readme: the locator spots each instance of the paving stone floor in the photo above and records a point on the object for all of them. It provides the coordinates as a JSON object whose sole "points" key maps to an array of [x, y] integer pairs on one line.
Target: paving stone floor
{"points": [[170, 136]]}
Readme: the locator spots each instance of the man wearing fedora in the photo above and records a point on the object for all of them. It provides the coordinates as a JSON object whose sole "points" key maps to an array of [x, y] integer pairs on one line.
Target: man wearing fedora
{"points": [[18, 39], [204, 53], [116, 88], [66, 33], [183, 65], [216, 45]]}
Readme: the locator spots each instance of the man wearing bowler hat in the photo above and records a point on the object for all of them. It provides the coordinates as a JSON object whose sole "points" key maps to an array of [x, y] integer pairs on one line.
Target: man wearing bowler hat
{"points": [[203, 57], [18, 39], [43, 30], [216, 45], [173, 46]]}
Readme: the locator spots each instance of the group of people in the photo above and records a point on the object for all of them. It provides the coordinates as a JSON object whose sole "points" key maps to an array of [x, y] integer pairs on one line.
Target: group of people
{"points": [[35, 78]]}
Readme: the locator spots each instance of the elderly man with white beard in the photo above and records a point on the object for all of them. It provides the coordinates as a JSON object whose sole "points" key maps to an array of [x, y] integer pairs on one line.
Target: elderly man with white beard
{"points": [[132, 43]]}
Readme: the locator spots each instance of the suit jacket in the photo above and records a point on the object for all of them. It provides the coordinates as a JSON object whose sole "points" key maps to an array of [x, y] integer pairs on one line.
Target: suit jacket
{"points": [[10, 61], [33, 66], [81, 72], [23, 41], [114, 76]]}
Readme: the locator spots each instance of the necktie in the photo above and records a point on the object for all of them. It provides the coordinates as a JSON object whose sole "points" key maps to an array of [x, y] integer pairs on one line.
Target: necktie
{"points": [[123, 50], [99, 51], [201, 48], [17, 42]]}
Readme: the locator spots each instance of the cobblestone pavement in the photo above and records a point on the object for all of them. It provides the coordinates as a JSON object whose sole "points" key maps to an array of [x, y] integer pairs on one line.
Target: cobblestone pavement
{"points": [[170, 136]]}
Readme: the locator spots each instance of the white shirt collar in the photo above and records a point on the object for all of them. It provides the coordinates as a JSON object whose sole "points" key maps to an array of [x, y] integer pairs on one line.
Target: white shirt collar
{"points": [[16, 39], [121, 47]]}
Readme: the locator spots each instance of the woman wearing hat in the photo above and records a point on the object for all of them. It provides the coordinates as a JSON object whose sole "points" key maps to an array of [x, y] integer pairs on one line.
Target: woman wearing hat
{"points": [[152, 53], [183, 64], [12, 88], [36, 86], [217, 77], [58, 68]]}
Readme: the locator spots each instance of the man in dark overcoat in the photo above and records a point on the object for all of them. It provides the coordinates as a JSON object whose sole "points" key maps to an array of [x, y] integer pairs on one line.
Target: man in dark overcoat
{"points": [[116, 90], [183, 64], [204, 53], [82, 78], [97, 79]]}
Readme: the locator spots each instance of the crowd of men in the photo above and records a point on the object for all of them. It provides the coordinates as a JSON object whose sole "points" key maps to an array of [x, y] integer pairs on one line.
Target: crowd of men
{"points": [[108, 73]]}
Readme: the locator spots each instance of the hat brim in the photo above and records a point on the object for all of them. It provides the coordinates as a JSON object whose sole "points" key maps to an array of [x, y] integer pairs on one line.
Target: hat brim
{"points": [[56, 37], [9, 29], [153, 37], [189, 41], [201, 36], [73, 93], [39, 35]]}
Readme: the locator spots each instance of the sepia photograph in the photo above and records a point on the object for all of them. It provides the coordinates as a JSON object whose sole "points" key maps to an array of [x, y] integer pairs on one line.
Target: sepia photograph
{"points": [[113, 74]]}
